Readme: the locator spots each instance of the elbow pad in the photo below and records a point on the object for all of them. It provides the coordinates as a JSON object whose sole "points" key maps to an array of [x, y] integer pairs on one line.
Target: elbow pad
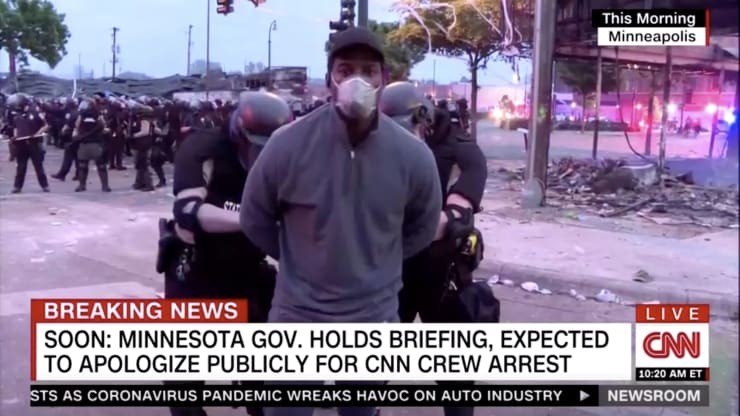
{"points": [[187, 217]]}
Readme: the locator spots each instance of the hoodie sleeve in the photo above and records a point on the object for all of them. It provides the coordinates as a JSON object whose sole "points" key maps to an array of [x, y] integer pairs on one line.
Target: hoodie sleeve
{"points": [[424, 205], [259, 212]]}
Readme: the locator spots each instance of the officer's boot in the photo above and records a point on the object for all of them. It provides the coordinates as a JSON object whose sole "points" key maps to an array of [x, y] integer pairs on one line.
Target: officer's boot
{"points": [[138, 182], [82, 177], [103, 173], [160, 174], [147, 185]]}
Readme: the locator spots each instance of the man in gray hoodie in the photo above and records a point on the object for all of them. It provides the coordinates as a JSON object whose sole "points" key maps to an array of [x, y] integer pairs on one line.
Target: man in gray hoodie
{"points": [[341, 198]]}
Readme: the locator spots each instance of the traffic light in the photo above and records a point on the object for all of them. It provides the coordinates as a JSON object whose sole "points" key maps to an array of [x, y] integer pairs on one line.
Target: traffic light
{"points": [[346, 16], [338, 26], [348, 12], [224, 7]]}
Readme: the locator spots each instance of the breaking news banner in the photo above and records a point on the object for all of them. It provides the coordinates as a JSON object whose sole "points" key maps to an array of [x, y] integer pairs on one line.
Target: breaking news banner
{"points": [[656, 27], [152, 340], [672, 342], [359, 395]]}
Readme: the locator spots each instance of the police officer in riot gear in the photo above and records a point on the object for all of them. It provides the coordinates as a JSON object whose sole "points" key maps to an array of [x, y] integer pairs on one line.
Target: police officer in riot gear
{"points": [[210, 257], [145, 131], [116, 122], [27, 140], [160, 148], [463, 114], [7, 126], [70, 146], [89, 132], [200, 115], [426, 274]]}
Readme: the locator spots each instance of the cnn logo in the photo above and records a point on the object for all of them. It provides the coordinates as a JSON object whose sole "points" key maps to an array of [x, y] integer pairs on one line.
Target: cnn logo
{"points": [[672, 336], [660, 345]]}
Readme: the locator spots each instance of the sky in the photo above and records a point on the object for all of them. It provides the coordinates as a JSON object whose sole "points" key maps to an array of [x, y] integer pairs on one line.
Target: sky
{"points": [[153, 37]]}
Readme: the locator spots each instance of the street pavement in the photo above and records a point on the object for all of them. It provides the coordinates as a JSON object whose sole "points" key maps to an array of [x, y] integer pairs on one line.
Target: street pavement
{"points": [[565, 247], [67, 244]]}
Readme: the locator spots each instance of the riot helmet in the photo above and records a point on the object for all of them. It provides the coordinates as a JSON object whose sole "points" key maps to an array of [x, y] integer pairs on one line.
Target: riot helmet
{"points": [[194, 106], [257, 115], [206, 107], [19, 101], [407, 106], [145, 111], [88, 109]]}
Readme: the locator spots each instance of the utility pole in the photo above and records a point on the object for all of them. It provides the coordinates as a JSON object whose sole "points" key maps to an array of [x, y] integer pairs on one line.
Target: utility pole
{"points": [[715, 116], [208, 47], [190, 43], [533, 193], [664, 117], [434, 79], [595, 148], [362, 6], [273, 27], [115, 47]]}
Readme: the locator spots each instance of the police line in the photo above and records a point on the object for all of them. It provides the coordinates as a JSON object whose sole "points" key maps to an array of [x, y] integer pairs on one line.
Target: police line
{"points": [[368, 395]]}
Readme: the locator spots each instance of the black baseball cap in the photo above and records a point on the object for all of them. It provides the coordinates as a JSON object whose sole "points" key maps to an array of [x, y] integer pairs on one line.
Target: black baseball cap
{"points": [[356, 37]]}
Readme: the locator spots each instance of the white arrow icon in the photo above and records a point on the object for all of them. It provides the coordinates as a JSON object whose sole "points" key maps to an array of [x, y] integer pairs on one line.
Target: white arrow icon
{"points": [[584, 395]]}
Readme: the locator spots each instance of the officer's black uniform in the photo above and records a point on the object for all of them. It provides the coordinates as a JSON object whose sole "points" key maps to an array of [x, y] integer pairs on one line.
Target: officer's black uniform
{"points": [[160, 152], [173, 122], [7, 130], [463, 114], [90, 134], [141, 144], [116, 123], [425, 275], [200, 115], [219, 265], [28, 122], [70, 146]]}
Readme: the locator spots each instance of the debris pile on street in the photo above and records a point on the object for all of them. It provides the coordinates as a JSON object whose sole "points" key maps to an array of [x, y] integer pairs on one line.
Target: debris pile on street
{"points": [[612, 188]]}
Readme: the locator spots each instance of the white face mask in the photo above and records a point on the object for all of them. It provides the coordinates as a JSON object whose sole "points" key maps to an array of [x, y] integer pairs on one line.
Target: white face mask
{"points": [[356, 98]]}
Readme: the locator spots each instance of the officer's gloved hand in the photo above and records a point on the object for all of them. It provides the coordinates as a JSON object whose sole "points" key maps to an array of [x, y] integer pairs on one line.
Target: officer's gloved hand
{"points": [[459, 225]]}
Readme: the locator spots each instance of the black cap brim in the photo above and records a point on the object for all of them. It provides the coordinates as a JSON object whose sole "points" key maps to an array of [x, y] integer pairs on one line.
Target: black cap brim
{"points": [[356, 38]]}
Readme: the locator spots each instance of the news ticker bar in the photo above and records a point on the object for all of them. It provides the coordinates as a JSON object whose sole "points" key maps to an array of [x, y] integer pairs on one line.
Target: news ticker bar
{"points": [[671, 374], [283, 395]]}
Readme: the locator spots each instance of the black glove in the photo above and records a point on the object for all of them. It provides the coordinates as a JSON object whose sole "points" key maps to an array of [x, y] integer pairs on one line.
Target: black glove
{"points": [[458, 227]]}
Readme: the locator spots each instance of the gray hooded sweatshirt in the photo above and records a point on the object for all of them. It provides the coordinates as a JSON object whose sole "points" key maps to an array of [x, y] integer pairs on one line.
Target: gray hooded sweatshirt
{"points": [[340, 218]]}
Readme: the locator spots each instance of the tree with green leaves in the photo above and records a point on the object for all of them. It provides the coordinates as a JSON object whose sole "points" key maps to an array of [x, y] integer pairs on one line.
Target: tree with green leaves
{"points": [[399, 57], [474, 31], [580, 76], [32, 28]]}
